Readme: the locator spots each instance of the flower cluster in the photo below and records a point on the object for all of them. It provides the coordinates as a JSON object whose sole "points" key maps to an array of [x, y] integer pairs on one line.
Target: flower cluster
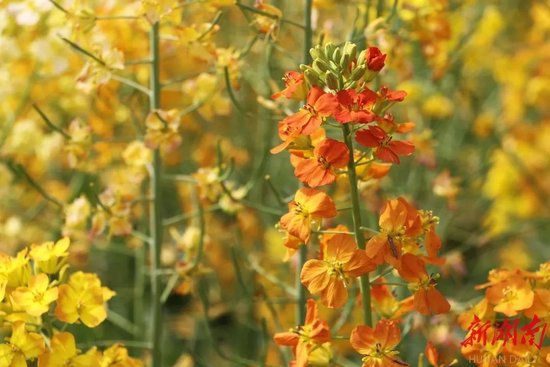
{"points": [[39, 299], [339, 102]]}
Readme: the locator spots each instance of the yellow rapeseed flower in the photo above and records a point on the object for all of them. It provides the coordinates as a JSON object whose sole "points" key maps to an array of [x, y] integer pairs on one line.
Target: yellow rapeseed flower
{"points": [[20, 347], [83, 299], [64, 353], [35, 299], [50, 257]]}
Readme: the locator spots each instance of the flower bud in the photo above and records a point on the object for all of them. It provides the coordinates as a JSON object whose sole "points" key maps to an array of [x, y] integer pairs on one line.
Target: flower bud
{"points": [[332, 80], [320, 66], [337, 55], [350, 49], [375, 59], [312, 77], [344, 63]]}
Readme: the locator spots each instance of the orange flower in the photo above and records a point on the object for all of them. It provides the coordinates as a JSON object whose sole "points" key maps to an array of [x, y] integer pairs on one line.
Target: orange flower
{"points": [[318, 107], [295, 87], [341, 262], [427, 299], [291, 243], [377, 345], [385, 148], [511, 295], [400, 224], [385, 303], [433, 356], [307, 209], [305, 339], [319, 170]]}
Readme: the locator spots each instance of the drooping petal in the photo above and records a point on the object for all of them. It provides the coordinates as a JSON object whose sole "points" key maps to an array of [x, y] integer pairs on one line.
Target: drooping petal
{"points": [[362, 339], [387, 333], [315, 276]]}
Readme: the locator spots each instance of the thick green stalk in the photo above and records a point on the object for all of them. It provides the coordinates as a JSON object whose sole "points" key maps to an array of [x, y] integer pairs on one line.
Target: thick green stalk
{"points": [[155, 210], [302, 254], [356, 213]]}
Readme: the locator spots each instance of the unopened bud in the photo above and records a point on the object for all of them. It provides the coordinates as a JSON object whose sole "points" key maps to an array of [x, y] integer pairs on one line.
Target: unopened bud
{"points": [[312, 77], [337, 55], [344, 63], [331, 80], [358, 73], [350, 49], [320, 66], [375, 59]]}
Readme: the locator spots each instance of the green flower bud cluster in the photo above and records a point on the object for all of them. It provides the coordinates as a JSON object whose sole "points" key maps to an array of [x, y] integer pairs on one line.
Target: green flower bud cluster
{"points": [[335, 67]]}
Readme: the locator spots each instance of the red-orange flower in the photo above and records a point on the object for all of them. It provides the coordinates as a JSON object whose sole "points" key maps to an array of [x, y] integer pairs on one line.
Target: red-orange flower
{"points": [[340, 263], [304, 339], [375, 59], [427, 299], [308, 207], [319, 170], [392, 95], [385, 148], [355, 107], [295, 87], [377, 345]]}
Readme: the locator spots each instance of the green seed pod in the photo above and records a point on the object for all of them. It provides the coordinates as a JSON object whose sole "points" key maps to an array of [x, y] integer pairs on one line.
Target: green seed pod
{"points": [[331, 80]]}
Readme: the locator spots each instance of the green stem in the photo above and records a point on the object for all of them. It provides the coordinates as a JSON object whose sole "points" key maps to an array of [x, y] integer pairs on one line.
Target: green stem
{"points": [[356, 213], [379, 8], [155, 210], [302, 253]]}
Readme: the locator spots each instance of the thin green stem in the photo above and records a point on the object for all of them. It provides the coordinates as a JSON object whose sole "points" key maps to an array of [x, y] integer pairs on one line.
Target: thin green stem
{"points": [[50, 123], [156, 227], [131, 84], [269, 15], [302, 253], [356, 214], [20, 169], [83, 51], [117, 17], [379, 8]]}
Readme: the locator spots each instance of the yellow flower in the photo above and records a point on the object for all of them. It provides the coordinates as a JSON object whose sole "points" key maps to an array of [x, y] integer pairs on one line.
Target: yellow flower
{"points": [[64, 353], [50, 257], [83, 299], [137, 154], [117, 356], [16, 269], [21, 346], [36, 298]]}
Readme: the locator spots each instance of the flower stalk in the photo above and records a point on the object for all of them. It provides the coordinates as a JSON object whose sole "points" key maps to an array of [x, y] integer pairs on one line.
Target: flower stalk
{"points": [[302, 253], [356, 215], [156, 228]]}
